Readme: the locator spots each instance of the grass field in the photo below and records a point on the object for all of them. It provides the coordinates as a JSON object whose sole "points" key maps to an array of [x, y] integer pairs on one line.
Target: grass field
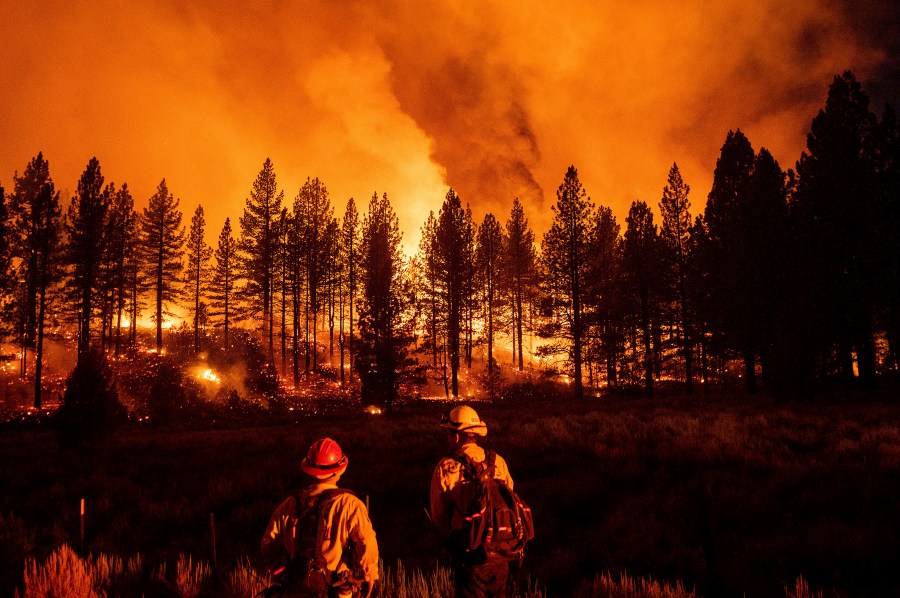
{"points": [[726, 494]]}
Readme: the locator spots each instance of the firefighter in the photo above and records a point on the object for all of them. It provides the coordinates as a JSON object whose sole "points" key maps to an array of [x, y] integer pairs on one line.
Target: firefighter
{"points": [[476, 574], [320, 542]]}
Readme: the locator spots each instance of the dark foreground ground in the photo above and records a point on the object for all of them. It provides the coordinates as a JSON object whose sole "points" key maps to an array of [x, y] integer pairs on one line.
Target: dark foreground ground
{"points": [[731, 494]]}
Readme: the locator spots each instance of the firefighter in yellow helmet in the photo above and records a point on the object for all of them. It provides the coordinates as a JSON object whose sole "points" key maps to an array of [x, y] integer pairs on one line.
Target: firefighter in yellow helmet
{"points": [[475, 574], [320, 542]]}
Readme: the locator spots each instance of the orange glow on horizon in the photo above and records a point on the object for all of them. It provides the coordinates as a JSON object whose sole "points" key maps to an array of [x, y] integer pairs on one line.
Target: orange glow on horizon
{"points": [[494, 100]]}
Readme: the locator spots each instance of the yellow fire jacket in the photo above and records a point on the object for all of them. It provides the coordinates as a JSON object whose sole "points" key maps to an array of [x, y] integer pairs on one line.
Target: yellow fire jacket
{"points": [[447, 488], [347, 525]]}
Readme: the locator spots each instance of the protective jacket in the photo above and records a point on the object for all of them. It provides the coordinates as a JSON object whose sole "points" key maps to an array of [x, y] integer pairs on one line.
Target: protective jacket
{"points": [[447, 496], [347, 528]]}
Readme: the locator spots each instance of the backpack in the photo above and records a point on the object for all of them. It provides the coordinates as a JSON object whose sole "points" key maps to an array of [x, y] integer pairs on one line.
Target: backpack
{"points": [[307, 569], [496, 520]]}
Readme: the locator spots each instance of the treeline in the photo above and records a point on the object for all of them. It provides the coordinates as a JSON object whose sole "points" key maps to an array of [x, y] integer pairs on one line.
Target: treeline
{"points": [[795, 273]]}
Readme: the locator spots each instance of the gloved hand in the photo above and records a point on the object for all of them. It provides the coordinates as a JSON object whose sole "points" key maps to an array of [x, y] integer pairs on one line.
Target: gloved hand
{"points": [[365, 589]]}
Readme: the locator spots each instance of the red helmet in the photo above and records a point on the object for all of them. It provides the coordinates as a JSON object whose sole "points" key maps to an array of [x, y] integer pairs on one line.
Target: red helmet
{"points": [[324, 459]]}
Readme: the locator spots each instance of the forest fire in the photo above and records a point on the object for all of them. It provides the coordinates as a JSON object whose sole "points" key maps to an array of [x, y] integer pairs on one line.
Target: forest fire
{"points": [[209, 376]]}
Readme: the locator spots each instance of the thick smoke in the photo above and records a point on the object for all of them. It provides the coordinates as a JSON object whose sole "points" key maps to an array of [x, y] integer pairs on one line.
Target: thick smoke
{"points": [[496, 99]]}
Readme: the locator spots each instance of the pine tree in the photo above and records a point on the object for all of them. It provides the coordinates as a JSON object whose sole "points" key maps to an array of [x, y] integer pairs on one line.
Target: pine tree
{"points": [[313, 213], [123, 259], [332, 271], [835, 206], [454, 240], [640, 255], [674, 208], [428, 288], [767, 245], [565, 251], [605, 289], [490, 249], [384, 326], [726, 262], [7, 280], [87, 218], [35, 215], [284, 280], [222, 283], [258, 246], [520, 269], [163, 246], [197, 275], [350, 246], [295, 255]]}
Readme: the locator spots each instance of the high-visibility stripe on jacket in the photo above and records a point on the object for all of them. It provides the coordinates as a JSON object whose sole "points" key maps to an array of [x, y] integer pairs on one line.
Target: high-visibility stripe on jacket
{"points": [[346, 523], [446, 483]]}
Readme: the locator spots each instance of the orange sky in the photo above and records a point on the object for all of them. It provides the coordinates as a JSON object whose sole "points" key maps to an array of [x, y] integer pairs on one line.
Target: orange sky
{"points": [[493, 98]]}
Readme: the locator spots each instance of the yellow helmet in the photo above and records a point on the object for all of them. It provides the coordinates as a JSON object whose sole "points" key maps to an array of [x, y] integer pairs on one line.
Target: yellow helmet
{"points": [[464, 419]]}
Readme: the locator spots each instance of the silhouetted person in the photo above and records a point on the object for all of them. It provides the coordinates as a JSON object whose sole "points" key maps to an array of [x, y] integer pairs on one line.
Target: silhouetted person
{"points": [[320, 542]]}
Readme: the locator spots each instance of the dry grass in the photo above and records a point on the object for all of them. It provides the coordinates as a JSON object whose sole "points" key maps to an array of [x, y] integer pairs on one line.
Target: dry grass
{"points": [[63, 575], [628, 587]]}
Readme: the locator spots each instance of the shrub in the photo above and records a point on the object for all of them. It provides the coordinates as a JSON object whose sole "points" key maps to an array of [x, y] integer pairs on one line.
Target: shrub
{"points": [[172, 395], [190, 577], [246, 582], [63, 575], [91, 407]]}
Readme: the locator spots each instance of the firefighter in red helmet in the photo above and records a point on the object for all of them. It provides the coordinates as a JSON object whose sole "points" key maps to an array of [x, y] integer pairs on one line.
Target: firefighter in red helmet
{"points": [[320, 542]]}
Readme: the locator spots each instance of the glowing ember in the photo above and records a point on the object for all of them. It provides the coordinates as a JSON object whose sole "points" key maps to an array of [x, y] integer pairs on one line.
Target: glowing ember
{"points": [[373, 410]]}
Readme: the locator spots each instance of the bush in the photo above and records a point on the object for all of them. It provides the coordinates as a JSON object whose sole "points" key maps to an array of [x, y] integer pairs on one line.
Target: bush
{"points": [[91, 407], [64, 574], [172, 396]]}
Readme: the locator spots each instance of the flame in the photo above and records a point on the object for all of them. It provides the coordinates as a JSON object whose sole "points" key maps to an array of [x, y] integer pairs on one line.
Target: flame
{"points": [[209, 376], [373, 410]]}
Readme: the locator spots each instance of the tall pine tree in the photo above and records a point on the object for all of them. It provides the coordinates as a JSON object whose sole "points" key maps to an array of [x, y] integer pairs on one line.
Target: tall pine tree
{"points": [[122, 259], [36, 219], [350, 247], [490, 249], [258, 246], [675, 231], [87, 218], [726, 262], [197, 275], [566, 256], [606, 290], [835, 208], [640, 259], [454, 238], [384, 326], [163, 247], [222, 282], [520, 273]]}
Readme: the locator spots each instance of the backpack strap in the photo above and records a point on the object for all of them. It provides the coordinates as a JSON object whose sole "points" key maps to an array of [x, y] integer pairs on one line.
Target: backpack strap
{"points": [[477, 469], [318, 503]]}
